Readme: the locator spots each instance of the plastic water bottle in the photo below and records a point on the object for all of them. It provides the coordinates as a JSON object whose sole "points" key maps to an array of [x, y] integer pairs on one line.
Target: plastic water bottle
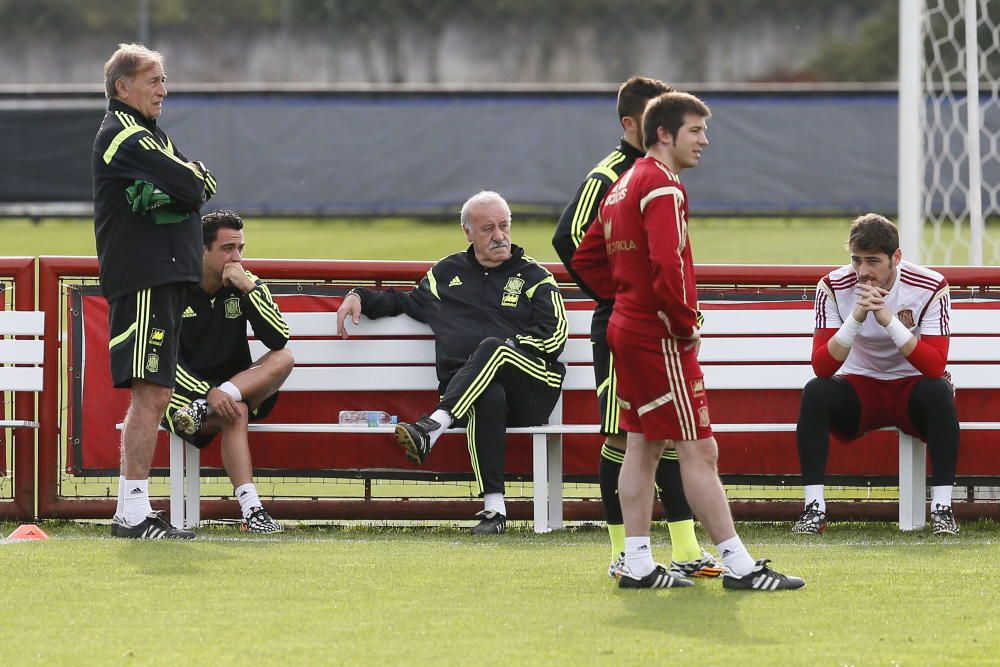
{"points": [[370, 417]]}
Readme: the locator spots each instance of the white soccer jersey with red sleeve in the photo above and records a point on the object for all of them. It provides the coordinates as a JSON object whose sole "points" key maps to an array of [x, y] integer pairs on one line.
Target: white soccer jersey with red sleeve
{"points": [[918, 297]]}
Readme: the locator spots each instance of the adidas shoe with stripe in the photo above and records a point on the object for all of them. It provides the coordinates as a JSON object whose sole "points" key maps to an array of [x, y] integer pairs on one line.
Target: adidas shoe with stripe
{"points": [[153, 527], [762, 578], [617, 566], [658, 578]]}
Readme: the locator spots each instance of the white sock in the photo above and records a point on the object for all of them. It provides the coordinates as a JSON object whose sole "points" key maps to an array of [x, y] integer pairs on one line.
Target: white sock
{"points": [[136, 501], [941, 495], [735, 556], [639, 555], [232, 390], [494, 503], [120, 507], [815, 492], [444, 418], [247, 496]]}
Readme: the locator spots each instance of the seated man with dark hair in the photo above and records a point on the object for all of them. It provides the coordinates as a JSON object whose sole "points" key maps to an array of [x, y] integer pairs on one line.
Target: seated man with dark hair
{"points": [[219, 388], [879, 351]]}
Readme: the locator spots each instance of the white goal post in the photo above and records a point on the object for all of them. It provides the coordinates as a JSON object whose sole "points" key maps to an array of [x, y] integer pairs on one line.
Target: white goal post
{"points": [[949, 130]]}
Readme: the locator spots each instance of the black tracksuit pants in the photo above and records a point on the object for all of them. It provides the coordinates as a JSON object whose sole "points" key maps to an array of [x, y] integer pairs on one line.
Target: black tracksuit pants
{"points": [[500, 386]]}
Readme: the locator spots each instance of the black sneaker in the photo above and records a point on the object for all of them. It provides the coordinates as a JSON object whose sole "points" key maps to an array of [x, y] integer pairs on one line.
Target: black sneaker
{"points": [[812, 521], [762, 578], [188, 420], [153, 527], [416, 439], [658, 578], [260, 521], [490, 523], [943, 521]]}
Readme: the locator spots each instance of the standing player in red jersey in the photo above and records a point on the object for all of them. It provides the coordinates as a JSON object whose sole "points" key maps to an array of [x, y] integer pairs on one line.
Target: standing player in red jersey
{"points": [[638, 253]]}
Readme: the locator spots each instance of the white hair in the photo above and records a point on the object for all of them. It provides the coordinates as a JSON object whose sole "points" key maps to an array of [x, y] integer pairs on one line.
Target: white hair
{"points": [[480, 198]]}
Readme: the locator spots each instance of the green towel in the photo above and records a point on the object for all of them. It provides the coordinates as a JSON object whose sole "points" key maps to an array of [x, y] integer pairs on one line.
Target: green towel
{"points": [[146, 198]]}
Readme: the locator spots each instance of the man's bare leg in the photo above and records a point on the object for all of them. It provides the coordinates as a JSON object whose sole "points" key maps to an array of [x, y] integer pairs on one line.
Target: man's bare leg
{"points": [[700, 472], [635, 488], [264, 377], [138, 444]]}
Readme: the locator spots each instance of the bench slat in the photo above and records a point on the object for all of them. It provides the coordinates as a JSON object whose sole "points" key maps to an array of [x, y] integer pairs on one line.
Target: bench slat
{"points": [[21, 351], [723, 376], [20, 379], [21, 322], [381, 352], [578, 350]]}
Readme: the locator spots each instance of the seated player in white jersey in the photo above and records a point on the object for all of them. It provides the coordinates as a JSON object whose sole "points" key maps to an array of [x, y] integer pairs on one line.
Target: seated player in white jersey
{"points": [[879, 352]]}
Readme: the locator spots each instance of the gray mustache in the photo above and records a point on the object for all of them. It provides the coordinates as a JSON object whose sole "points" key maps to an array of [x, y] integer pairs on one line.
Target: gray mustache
{"points": [[494, 245]]}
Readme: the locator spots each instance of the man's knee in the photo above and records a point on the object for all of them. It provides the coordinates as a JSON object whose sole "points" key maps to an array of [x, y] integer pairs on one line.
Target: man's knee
{"points": [[934, 397], [151, 397], [242, 417], [819, 392], [283, 362], [490, 345], [703, 454]]}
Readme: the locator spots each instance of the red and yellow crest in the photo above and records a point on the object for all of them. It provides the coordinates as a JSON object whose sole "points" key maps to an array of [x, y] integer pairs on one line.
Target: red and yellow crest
{"points": [[906, 317]]}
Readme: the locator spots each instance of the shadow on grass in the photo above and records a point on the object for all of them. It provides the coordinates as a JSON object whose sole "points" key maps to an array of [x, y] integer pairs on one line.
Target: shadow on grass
{"points": [[682, 612]]}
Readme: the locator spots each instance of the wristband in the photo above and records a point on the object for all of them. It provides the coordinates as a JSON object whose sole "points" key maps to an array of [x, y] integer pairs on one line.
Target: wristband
{"points": [[847, 331], [898, 332]]}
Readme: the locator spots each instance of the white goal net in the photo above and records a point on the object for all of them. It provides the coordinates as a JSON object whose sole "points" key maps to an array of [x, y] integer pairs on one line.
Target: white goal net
{"points": [[949, 195]]}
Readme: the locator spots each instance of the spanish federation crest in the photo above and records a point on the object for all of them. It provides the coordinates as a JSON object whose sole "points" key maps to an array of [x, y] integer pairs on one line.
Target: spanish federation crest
{"points": [[232, 306], [906, 317], [511, 291], [152, 362]]}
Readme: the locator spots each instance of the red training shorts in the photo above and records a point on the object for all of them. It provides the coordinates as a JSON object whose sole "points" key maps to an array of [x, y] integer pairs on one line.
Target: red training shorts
{"points": [[883, 403], [661, 389]]}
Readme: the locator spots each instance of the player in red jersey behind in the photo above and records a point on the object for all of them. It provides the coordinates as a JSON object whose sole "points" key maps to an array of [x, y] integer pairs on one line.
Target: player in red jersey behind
{"points": [[637, 252]]}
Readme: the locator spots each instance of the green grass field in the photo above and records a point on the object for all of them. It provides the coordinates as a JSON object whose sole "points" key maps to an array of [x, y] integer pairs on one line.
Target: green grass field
{"points": [[715, 241], [369, 596]]}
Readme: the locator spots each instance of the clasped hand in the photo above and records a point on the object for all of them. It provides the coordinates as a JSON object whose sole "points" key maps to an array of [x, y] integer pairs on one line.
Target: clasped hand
{"points": [[871, 299]]}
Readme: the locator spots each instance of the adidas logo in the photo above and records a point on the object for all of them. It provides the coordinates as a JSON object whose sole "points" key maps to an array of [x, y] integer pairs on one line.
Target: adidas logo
{"points": [[135, 492], [455, 282], [189, 312]]}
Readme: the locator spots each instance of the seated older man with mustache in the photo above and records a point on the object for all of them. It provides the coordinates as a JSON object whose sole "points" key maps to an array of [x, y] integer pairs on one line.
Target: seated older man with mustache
{"points": [[499, 325]]}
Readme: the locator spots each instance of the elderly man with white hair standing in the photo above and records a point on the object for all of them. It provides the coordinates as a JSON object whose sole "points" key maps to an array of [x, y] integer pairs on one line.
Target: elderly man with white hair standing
{"points": [[499, 325]]}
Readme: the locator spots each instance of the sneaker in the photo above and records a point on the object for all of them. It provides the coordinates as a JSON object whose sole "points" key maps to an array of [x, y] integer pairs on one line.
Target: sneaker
{"points": [[943, 521], [658, 578], [260, 521], [706, 566], [490, 523], [153, 527], [188, 420], [812, 521], [616, 566], [762, 578], [415, 438]]}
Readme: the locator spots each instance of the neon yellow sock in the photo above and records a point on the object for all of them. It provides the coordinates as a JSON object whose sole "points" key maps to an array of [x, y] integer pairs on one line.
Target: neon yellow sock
{"points": [[617, 533], [683, 542]]}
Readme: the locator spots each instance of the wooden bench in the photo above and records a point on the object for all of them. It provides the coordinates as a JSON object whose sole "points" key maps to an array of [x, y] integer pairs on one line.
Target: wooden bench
{"points": [[20, 359], [745, 348]]}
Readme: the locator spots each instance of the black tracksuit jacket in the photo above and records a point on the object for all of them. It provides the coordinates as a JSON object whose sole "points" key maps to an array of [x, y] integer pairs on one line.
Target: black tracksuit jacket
{"points": [[133, 252], [464, 303]]}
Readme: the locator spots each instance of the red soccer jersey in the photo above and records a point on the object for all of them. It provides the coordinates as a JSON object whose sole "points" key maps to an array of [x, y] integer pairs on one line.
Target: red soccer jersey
{"points": [[639, 253]]}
